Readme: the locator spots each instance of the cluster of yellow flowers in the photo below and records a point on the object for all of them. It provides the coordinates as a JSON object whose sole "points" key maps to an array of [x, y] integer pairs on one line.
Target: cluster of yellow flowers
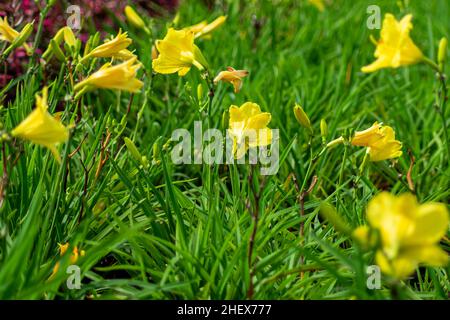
{"points": [[404, 233], [177, 53], [408, 232], [43, 129]]}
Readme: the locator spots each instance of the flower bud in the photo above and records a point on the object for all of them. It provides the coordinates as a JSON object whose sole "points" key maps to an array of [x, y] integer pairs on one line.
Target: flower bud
{"points": [[69, 37], [335, 142], [134, 18], [328, 212], [145, 162], [225, 119], [20, 40], [56, 50], [200, 59], [24, 35], [132, 149], [200, 92], [302, 118], [323, 130], [442, 53], [176, 19]]}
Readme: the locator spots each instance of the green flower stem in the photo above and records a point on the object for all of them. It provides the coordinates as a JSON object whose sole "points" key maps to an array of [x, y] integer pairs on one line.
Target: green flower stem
{"points": [[441, 100], [37, 38], [209, 168], [302, 194], [442, 95], [432, 64], [84, 59], [341, 175], [5, 177], [255, 219]]}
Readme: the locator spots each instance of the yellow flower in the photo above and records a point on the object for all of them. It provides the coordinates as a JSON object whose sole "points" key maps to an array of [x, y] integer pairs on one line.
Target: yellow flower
{"points": [[409, 233], [73, 257], [41, 128], [69, 37], [248, 128], [177, 53], [111, 47], [233, 76], [380, 142], [367, 137], [395, 48], [124, 55], [134, 17], [119, 77], [318, 4], [385, 148], [203, 29], [6, 32]]}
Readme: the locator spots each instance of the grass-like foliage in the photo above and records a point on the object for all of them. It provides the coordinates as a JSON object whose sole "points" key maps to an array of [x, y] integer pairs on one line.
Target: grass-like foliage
{"points": [[143, 227]]}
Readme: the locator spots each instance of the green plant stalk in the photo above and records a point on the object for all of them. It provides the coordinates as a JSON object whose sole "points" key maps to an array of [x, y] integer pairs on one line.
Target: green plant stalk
{"points": [[301, 198], [441, 100], [5, 177], [37, 38], [341, 175], [442, 95], [255, 220], [209, 168]]}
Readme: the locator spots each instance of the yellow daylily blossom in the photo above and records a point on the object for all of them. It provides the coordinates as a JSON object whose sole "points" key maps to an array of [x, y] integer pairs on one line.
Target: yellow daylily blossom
{"points": [[8, 34], [248, 128], [380, 142], [73, 257], [118, 77], [41, 128], [134, 18], [111, 47], [318, 4], [385, 148], [124, 55], [367, 137], [203, 29], [177, 53], [409, 233], [233, 76], [395, 48], [69, 37]]}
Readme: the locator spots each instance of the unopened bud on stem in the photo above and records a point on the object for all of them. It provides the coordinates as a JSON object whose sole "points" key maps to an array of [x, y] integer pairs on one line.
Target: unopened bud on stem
{"points": [[323, 130], [442, 53], [302, 118]]}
